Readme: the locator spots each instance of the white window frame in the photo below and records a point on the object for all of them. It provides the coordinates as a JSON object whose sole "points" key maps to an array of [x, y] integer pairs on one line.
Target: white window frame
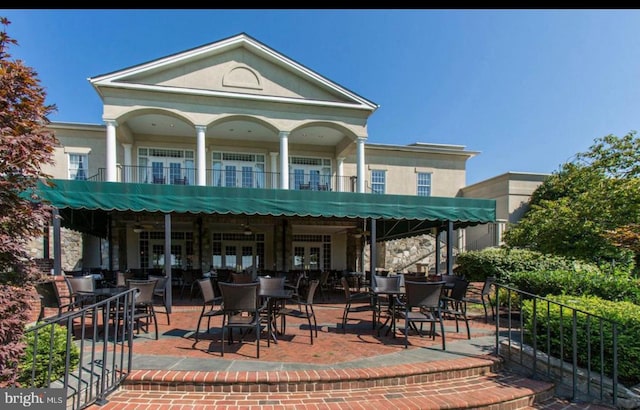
{"points": [[377, 183], [421, 184], [74, 160]]}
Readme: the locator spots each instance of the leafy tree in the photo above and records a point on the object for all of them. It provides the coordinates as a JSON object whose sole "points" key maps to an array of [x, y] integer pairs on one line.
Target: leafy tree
{"points": [[24, 147], [577, 210]]}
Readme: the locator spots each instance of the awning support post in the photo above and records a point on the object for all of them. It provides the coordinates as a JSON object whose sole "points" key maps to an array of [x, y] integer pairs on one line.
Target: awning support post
{"points": [[167, 261], [449, 247]]}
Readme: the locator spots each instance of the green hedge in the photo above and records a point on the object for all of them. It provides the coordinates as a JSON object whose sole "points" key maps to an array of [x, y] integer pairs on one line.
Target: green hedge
{"points": [[626, 314], [45, 358], [502, 262], [556, 282]]}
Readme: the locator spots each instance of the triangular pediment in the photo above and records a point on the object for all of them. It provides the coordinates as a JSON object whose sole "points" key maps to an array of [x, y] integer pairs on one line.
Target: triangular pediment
{"points": [[237, 66]]}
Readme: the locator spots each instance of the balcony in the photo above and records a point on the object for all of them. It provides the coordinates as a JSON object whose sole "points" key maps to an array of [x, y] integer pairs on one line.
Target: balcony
{"points": [[230, 178]]}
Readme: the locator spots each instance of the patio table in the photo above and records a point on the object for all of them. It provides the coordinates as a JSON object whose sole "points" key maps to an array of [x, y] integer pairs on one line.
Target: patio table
{"points": [[273, 296]]}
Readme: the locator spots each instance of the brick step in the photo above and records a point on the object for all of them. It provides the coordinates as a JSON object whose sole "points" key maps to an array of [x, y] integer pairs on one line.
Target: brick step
{"points": [[464, 383], [489, 391]]}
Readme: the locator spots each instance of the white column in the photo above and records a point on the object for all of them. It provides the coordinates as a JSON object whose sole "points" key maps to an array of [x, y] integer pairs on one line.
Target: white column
{"points": [[284, 159], [340, 175], [201, 165], [128, 173], [360, 163], [274, 169], [111, 151]]}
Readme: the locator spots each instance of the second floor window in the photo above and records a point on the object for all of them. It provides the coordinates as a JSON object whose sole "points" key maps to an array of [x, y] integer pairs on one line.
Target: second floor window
{"points": [[424, 184], [378, 181], [78, 165]]}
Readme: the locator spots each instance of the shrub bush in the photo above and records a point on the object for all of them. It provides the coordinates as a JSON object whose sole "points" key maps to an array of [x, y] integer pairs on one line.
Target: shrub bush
{"points": [[45, 358], [559, 323], [558, 282], [476, 266]]}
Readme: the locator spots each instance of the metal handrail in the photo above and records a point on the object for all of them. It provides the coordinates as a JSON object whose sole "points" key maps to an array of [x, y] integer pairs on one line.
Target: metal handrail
{"points": [[105, 352], [524, 350]]}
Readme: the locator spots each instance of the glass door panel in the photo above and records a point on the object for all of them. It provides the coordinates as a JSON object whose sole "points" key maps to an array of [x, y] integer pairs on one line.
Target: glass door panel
{"points": [[307, 257], [157, 172], [230, 257], [230, 176]]}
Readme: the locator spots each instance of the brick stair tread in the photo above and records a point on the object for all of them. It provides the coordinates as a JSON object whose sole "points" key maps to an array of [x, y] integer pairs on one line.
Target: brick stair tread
{"points": [[494, 390]]}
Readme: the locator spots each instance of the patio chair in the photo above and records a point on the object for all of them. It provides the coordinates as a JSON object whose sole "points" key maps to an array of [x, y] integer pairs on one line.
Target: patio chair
{"points": [[122, 278], [483, 298], [356, 302], [422, 305], [454, 305], [267, 284], [307, 313], [240, 310], [211, 305], [160, 292], [324, 284], [188, 282], [296, 287], [50, 298], [144, 313], [82, 288], [241, 277]]}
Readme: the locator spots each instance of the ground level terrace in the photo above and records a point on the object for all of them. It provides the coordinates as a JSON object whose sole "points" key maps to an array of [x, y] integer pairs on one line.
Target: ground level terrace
{"points": [[176, 227]]}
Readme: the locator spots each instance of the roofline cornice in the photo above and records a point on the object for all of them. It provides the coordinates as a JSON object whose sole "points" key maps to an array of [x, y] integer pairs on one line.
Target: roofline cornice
{"points": [[459, 150]]}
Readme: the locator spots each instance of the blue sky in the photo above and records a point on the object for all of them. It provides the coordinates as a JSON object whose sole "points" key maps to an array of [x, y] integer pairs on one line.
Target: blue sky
{"points": [[528, 89]]}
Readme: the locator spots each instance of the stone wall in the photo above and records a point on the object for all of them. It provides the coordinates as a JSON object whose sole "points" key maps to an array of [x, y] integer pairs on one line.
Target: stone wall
{"points": [[71, 245], [408, 254]]}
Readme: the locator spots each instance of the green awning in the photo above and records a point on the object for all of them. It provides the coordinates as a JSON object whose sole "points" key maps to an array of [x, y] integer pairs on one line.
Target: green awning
{"points": [[426, 212]]}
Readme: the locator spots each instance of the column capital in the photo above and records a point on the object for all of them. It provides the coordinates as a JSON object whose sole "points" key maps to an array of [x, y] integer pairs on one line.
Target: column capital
{"points": [[274, 154], [361, 139], [284, 134], [112, 123], [201, 128]]}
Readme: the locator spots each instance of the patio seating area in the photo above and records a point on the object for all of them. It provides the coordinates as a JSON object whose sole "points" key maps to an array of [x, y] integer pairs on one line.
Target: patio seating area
{"points": [[173, 370]]}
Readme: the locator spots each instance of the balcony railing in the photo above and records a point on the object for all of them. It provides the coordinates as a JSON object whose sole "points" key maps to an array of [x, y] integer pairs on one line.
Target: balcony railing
{"points": [[226, 178]]}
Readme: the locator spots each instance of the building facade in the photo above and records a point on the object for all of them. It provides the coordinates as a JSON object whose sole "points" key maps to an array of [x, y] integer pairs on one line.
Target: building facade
{"points": [[235, 156]]}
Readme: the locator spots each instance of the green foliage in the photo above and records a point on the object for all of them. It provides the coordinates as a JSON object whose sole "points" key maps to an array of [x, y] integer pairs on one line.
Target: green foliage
{"points": [[572, 211], [610, 287], [554, 329], [476, 266], [45, 358], [24, 146]]}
